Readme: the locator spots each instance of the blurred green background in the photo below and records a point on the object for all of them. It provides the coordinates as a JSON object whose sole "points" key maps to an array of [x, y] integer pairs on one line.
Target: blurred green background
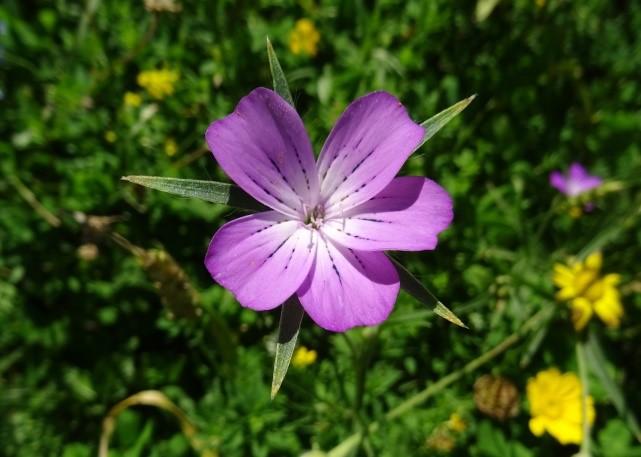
{"points": [[103, 292]]}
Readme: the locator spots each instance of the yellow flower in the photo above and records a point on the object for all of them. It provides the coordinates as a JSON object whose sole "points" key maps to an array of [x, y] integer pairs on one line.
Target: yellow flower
{"points": [[132, 99], [588, 292], [575, 212], [303, 357], [304, 38], [111, 136], [171, 148], [158, 83], [456, 423], [556, 406]]}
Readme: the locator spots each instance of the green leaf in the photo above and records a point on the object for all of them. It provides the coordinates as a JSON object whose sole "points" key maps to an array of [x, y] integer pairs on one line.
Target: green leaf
{"points": [[291, 316], [411, 285], [615, 440], [598, 363], [347, 448], [211, 191], [484, 8], [278, 77], [438, 121]]}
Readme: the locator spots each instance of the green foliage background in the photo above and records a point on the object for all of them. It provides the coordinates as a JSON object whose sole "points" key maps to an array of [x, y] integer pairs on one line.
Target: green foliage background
{"points": [[557, 82]]}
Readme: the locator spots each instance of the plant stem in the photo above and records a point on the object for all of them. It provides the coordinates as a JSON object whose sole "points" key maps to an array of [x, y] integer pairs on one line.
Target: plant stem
{"points": [[585, 387], [531, 324]]}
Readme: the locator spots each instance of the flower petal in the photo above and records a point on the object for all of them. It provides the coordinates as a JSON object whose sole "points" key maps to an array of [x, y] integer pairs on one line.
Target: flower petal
{"points": [[262, 258], [581, 313], [579, 180], [366, 148], [347, 288], [263, 147], [407, 215], [558, 181]]}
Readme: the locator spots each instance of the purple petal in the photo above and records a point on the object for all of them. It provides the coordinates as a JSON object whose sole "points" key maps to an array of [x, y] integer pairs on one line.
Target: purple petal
{"points": [[577, 171], [579, 180], [347, 288], [407, 216], [587, 183], [262, 258], [263, 147], [366, 148], [557, 180]]}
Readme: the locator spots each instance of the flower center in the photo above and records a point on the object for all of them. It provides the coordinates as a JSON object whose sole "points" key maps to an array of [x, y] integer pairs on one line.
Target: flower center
{"points": [[314, 218]]}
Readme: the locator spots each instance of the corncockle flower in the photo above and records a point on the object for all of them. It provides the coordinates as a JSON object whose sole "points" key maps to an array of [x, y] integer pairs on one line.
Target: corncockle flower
{"points": [[331, 218], [576, 181]]}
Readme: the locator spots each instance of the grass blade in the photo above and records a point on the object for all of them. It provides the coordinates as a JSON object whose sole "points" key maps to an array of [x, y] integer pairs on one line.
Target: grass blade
{"points": [[278, 77], [438, 121], [291, 316], [211, 191], [416, 289], [597, 363]]}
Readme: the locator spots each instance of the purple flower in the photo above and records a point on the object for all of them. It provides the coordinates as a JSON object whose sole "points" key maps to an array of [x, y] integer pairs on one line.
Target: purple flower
{"points": [[576, 181], [331, 219]]}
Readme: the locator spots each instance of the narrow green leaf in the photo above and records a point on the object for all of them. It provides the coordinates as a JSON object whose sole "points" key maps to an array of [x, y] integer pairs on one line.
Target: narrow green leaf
{"points": [[347, 448], [484, 8], [438, 121], [533, 346], [447, 314], [597, 362], [414, 287], [211, 191], [278, 77], [291, 316]]}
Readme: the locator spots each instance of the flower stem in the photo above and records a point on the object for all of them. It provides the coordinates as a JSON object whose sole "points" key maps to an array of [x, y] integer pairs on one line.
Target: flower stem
{"points": [[585, 388], [531, 324]]}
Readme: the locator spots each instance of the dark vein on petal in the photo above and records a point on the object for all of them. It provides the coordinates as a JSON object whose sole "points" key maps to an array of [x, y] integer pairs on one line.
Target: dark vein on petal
{"points": [[278, 248], [264, 189], [370, 219], [333, 264], [353, 235], [300, 161], [291, 254], [262, 229], [358, 259]]}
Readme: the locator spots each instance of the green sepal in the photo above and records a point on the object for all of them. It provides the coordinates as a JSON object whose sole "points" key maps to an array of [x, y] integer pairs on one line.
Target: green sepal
{"points": [[211, 191], [291, 317], [438, 121], [278, 77], [414, 287]]}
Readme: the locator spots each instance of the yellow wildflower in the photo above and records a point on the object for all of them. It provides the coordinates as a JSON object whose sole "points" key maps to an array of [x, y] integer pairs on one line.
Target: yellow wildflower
{"points": [[303, 357], [575, 212], [171, 148], [111, 136], [556, 406], [588, 292], [132, 99], [304, 38], [456, 423], [158, 83]]}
